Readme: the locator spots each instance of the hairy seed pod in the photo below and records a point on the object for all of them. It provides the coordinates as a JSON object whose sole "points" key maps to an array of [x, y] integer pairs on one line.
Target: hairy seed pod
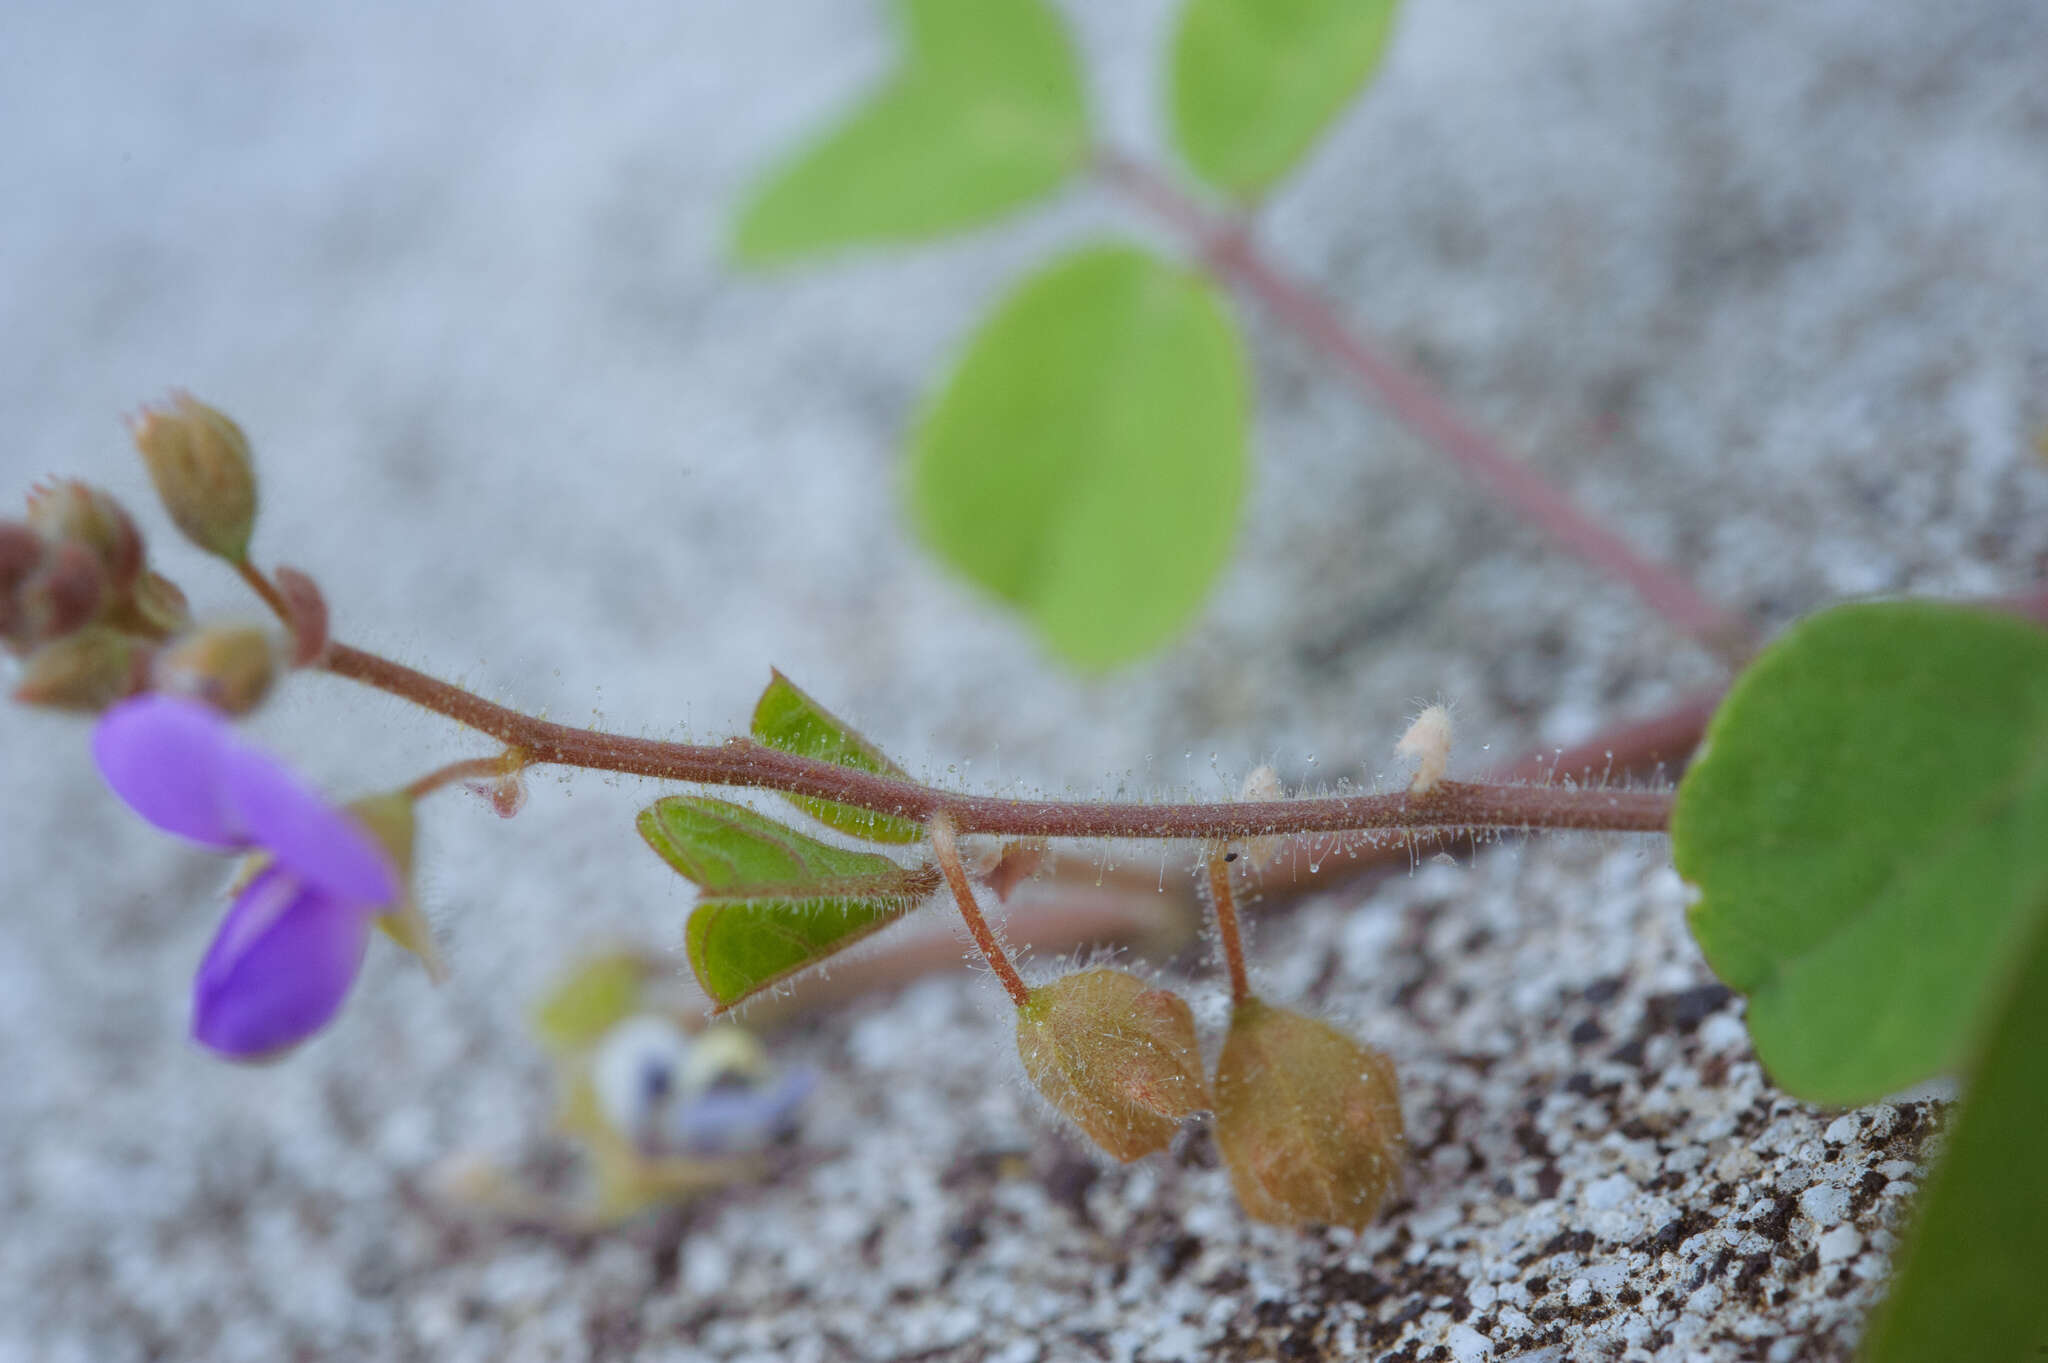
{"points": [[1115, 1055], [1308, 1120]]}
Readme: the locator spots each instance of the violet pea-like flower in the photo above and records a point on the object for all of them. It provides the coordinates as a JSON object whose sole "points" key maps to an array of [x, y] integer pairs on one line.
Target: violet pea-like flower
{"points": [[291, 944]]}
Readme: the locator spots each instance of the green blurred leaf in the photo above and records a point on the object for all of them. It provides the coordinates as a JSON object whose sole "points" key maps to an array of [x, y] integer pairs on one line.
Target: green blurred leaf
{"points": [[589, 1001], [1868, 827], [1255, 82], [985, 116], [1970, 1279], [775, 901], [1086, 460], [786, 717]]}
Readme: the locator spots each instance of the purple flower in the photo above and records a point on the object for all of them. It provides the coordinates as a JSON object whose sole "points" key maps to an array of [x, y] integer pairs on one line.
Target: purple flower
{"points": [[292, 942]]}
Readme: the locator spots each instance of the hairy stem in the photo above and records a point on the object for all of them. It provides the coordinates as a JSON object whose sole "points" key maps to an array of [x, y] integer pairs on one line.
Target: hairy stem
{"points": [[264, 588], [1455, 806], [1225, 904], [467, 769], [947, 853], [1416, 404]]}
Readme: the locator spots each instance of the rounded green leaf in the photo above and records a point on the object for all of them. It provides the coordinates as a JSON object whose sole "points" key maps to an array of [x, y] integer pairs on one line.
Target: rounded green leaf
{"points": [[1086, 460], [1969, 1286], [1867, 823], [986, 115], [1255, 82]]}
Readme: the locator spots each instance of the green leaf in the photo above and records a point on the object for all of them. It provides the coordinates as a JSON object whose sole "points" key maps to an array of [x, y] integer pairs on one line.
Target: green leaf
{"points": [[1868, 827], [1086, 460], [775, 901], [1969, 1284], [787, 718], [986, 115], [1255, 82], [588, 1002]]}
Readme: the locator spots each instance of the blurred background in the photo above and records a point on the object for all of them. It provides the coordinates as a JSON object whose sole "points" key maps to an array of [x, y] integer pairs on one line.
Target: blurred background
{"points": [[1765, 287]]}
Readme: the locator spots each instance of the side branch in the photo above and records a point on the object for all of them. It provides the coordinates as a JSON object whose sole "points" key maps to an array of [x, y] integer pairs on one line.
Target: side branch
{"points": [[1416, 404], [1455, 806]]}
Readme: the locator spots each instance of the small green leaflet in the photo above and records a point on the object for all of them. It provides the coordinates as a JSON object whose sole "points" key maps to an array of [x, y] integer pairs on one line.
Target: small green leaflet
{"points": [[1969, 1281], [986, 115], [1868, 828], [1086, 460], [787, 718], [775, 902], [1255, 82]]}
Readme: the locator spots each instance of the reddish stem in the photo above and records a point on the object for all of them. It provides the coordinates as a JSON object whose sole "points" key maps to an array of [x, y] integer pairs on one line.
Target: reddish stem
{"points": [[1418, 405], [1453, 806], [947, 853], [1225, 904]]}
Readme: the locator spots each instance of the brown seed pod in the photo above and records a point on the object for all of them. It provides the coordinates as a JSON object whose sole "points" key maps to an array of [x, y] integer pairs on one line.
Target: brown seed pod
{"points": [[1116, 1055], [1308, 1120]]}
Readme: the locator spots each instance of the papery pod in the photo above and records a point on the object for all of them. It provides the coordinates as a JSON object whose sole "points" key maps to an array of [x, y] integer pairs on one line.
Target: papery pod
{"points": [[1116, 1055], [1308, 1120], [200, 463]]}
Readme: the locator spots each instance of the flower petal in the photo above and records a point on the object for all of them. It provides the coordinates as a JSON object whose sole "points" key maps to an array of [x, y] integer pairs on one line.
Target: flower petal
{"points": [[736, 1119], [278, 969], [320, 844], [163, 755]]}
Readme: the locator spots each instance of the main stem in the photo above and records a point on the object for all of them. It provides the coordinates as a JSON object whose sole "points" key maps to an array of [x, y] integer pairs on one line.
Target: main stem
{"points": [[1455, 806], [1419, 406]]}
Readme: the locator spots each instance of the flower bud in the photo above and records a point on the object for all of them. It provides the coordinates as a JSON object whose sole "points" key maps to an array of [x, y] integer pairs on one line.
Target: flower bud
{"points": [[200, 463], [230, 667], [64, 592], [391, 822], [1307, 1119], [83, 514], [89, 669], [156, 608], [21, 552], [1114, 1054]]}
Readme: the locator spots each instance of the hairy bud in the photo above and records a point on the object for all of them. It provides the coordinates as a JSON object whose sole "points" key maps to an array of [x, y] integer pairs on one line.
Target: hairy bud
{"points": [[1428, 741], [1307, 1119], [199, 461], [156, 608], [1116, 1055], [230, 667], [89, 669], [85, 515], [65, 591]]}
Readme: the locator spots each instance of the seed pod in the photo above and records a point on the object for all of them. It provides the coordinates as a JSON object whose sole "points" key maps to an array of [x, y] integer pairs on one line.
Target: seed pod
{"points": [[83, 514], [199, 461], [1308, 1120], [1116, 1055]]}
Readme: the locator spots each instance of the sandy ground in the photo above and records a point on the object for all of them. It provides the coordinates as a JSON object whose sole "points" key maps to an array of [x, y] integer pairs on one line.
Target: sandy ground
{"points": [[1767, 286]]}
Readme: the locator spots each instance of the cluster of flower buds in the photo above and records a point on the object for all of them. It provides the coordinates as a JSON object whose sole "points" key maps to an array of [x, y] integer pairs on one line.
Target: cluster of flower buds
{"points": [[94, 624], [74, 593], [1308, 1120]]}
